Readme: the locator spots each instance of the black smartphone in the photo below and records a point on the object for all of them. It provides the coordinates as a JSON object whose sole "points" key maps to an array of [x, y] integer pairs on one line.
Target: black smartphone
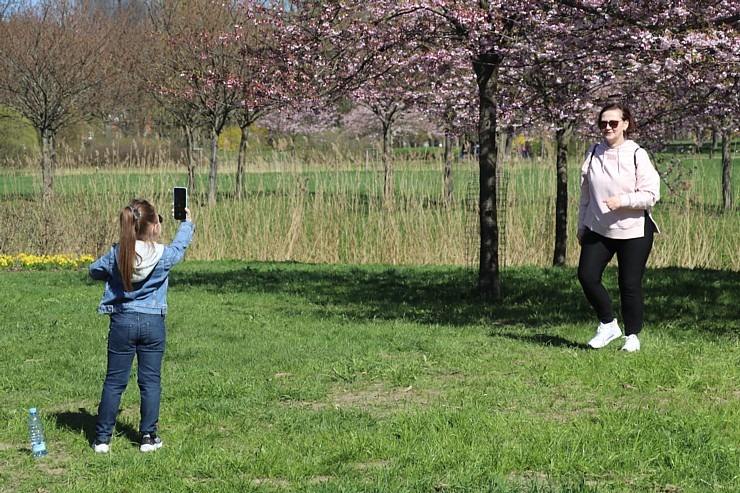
{"points": [[181, 202]]}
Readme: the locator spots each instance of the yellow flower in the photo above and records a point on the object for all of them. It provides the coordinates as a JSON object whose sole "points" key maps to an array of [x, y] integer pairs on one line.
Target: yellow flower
{"points": [[45, 262]]}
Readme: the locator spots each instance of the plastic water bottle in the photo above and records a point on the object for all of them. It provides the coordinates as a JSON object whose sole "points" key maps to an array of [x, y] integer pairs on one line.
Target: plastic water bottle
{"points": [[36, 430]]}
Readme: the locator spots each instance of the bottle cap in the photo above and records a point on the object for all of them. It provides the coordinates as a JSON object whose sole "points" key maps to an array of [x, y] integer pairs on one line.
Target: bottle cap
{"points": [[33, 410]]}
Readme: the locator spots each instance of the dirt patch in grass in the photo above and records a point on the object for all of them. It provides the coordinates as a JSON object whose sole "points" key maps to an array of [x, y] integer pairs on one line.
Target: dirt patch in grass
{"points": [[377, 464], [375, 399], [276, 482], [378, 399], [51, 469]]}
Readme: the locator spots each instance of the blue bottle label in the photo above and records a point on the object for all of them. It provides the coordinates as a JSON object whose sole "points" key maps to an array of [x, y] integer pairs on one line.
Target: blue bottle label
{"points": [[38, 447]]}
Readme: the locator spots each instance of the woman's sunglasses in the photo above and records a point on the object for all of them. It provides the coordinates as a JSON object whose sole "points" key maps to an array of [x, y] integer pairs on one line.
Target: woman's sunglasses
{"points": [[612, 123], [160, 218]]}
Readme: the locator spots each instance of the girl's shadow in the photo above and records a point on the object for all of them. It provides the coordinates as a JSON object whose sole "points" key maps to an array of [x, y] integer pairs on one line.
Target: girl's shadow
{"points": [[81, 421]]}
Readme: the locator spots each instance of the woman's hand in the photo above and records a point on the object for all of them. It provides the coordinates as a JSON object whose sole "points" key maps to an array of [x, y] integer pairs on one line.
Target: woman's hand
{"points": [[614, 202]]}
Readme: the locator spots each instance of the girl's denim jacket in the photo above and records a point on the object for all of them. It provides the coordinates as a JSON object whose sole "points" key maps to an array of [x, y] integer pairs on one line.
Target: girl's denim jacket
{"points": [[148, 296]]}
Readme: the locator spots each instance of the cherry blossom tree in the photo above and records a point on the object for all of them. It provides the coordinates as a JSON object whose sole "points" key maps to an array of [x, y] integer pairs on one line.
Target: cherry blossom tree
{"points": [[557, 78], [194, 61], [706, 80], [449, 100], [268, 69], [484, 32], [388, 95], [683, 64]]}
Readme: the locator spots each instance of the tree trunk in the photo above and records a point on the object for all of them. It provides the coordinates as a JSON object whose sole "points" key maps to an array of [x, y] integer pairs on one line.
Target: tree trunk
{"points": [[448, 169], [487, 70], [239, 192], [190, 142], [213, 174], [726, 171], [561, 200], [509, 140], [387, 162], [698, 140], [48, 162]]}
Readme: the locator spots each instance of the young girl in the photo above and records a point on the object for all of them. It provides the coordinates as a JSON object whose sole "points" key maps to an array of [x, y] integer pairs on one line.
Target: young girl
{"points": [[136, 272], [619, 186]]}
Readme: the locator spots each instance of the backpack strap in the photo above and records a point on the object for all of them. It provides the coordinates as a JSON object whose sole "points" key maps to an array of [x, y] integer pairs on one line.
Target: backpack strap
{"points": [[593, 151], [591, 158]]}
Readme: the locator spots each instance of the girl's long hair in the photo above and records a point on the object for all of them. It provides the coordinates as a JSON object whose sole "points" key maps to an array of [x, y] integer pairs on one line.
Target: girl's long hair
{"points": [[136, 224]]}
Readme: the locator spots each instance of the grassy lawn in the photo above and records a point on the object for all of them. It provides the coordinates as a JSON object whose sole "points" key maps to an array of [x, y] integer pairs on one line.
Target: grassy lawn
{"points": [[316, 378]]}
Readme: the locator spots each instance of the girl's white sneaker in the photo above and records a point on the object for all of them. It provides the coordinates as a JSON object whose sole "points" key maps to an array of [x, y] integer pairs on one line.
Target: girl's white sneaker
{"points": [[101, 447], [631, 343]]}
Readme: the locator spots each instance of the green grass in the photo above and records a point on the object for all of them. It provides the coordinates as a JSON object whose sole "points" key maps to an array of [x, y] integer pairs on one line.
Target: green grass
{"points": [[297, 377]]}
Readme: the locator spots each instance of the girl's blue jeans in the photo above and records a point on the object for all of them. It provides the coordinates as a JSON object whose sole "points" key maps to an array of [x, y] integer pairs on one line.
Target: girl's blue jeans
{"points": [[132, 334]]}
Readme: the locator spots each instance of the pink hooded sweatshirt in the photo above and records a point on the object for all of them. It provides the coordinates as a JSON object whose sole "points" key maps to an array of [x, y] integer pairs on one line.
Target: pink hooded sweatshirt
{"points": [[625, 171]]}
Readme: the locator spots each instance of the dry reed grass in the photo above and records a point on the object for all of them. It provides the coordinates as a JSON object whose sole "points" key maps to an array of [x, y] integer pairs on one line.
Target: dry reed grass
{"points": [[293, 212]]}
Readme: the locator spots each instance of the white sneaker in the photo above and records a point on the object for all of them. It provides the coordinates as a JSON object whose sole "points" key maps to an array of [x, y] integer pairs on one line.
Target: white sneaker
{"points": [[101, 447], [150, 442], [631, 343], [605, 334]]}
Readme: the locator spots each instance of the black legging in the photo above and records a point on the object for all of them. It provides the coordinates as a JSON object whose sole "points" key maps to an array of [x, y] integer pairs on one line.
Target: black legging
{"points": [[632, 255]]}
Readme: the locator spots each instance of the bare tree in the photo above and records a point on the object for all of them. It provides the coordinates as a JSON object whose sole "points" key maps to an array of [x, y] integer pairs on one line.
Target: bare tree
{"points": [[57, 65], [5, 6]]}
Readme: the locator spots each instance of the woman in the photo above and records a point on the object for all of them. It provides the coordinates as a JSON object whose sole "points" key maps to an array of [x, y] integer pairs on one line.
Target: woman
{"points": [[136, 271], [619, 185]]}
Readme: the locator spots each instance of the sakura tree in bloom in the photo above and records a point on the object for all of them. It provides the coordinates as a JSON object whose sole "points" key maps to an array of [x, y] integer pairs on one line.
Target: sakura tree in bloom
{"points": [[686, 67], [484, 34], [194, 55], [404, 79], [449, 100], [302, 121], [268, 70], [557, 59], [580, 51]]}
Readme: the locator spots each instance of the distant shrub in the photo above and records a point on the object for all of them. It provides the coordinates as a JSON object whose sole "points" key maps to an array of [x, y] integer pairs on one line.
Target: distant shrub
{"points": [[17, 137]]}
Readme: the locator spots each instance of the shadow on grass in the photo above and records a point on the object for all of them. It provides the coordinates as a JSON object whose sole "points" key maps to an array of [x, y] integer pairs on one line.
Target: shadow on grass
{"points": [[544, 340], [533, 297], [81, 421], [432, 295]]}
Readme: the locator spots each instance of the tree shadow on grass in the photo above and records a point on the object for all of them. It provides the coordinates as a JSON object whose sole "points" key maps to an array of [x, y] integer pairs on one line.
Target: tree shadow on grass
{"points": [[533, 297], [429, 295], [81, 421]]}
